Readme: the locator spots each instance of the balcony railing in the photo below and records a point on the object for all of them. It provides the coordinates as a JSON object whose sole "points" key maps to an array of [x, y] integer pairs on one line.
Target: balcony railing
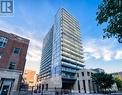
{"points": [[69, 77], [68, 70]]}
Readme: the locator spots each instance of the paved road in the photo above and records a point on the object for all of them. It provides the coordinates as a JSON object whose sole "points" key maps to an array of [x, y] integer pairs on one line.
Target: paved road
{"points": [[86, 94]]}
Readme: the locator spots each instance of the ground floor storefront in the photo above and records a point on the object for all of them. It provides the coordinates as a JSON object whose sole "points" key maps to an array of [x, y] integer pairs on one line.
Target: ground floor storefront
{"points": [[9, 82]]}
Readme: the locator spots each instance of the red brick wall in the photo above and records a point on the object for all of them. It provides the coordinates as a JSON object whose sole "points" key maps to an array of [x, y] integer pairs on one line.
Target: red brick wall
{"points": [[13, 41]]}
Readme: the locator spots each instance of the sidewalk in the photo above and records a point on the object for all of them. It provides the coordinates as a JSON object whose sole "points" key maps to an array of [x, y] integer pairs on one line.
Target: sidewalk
{"points": [[80, 94], [71, 94]]}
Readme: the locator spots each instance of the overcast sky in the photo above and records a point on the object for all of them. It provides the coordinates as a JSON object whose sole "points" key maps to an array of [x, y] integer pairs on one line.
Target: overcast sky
{"points": [[33, 18]]}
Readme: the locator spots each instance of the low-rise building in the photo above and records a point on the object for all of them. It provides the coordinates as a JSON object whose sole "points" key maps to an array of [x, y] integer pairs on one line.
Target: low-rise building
{"points": [[84, 82], [30, 78], [98, 70], [13, 50], [118, 75]]}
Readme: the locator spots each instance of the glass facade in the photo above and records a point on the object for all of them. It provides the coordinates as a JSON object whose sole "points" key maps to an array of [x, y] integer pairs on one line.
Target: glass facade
{"points": [[71, 46], [46, 59], [66, 47], [56, 58]]}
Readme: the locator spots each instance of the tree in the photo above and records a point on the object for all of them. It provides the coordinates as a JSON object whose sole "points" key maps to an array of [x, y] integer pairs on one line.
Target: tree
{"points": [[118, 82], [103, 81], [110, 12]]}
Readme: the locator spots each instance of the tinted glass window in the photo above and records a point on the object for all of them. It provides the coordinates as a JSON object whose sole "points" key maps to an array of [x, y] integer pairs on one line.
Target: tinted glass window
{"points": [[3, 42], [88, 73], [12, 65], [82, 73], [16, 50]]}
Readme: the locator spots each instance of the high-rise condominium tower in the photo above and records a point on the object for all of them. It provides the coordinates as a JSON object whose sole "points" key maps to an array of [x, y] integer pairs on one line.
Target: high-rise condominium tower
{"points": [[62, 53]]}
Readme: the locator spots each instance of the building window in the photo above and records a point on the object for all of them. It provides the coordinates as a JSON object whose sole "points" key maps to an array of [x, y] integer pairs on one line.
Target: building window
{"points": [[84, 86], [12, 65], [42, 86], [78, 86], [46, 86], [78, 75], [88, 74], [3, 42], [1, 54], [82, 73], [91, 74], [16, 50]]}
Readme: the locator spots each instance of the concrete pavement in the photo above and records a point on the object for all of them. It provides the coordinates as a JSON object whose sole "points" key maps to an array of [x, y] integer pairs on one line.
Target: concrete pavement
{"points": [[81, 94]]}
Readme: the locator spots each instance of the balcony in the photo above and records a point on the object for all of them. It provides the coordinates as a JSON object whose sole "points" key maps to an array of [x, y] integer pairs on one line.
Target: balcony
{"points": [[69, 70], [70, 57], [69, 78], [71, 65]]}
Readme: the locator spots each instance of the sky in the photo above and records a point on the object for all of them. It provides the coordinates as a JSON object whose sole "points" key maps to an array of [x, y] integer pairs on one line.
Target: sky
{"points": [[32, 19]]}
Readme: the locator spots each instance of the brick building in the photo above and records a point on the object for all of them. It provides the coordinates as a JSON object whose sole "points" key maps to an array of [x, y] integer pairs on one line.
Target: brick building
{"points": [[30, 78], [13, 50]]}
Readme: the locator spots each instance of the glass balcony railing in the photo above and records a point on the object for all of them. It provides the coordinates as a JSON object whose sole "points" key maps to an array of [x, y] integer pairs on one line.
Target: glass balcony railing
{"points": [[73, 61], [72, 52], [68, 70], [72, 57], [71, 65], [69, 77]]}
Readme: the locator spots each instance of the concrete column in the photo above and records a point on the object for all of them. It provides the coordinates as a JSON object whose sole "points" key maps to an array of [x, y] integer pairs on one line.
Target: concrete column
{"points": [[75, 87], [87, 86]]}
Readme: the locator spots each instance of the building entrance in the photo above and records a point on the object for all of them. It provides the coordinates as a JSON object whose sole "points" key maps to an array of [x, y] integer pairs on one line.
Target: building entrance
{"points": [[5, 86]]}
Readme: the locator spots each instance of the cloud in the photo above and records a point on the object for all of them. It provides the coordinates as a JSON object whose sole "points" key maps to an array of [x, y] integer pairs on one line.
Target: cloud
{"points": [[27, 24], [34, 50], [118, 54], [107, 55], [101, 49]]}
